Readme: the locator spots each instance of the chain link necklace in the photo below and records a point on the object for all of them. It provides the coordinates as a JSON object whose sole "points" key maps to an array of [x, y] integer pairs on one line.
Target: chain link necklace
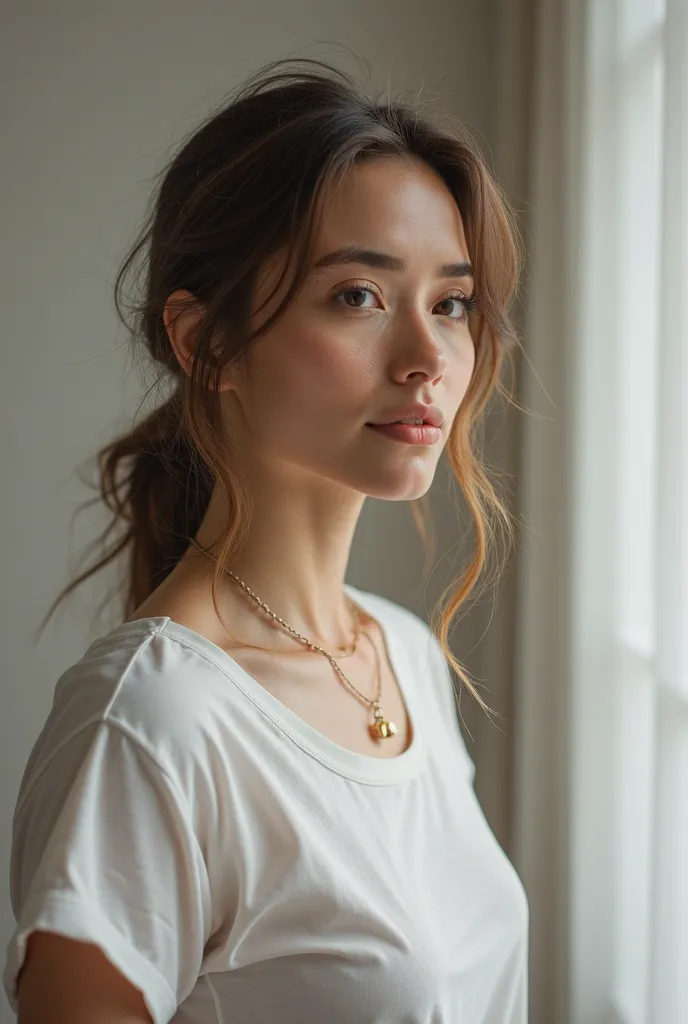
{"points": [[380, 728]]}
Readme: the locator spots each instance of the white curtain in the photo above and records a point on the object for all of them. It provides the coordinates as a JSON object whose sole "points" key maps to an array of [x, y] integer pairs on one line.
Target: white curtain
{"points": [[601, 797]]}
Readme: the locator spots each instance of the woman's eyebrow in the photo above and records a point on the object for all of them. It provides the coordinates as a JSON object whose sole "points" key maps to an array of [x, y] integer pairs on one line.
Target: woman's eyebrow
{"points": [[381, 260]]}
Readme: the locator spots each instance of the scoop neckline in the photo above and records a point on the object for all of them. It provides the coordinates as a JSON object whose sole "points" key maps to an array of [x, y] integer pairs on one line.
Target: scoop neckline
{"points": [[349, 763]]}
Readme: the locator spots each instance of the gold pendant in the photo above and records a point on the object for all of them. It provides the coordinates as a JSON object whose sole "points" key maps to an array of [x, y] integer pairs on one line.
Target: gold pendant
{"points": [[381, 728]]}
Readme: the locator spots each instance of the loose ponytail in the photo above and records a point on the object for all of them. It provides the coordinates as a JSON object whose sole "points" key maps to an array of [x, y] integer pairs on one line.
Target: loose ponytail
{"points": [[157, 490]]}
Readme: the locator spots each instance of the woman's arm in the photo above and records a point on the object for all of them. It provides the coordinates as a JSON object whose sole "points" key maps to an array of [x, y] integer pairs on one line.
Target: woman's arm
{"points": [[104, 854], [68, 982]]}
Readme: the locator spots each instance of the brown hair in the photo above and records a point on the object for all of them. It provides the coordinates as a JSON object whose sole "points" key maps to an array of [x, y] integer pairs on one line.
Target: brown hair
{"points": [[248, 183]]}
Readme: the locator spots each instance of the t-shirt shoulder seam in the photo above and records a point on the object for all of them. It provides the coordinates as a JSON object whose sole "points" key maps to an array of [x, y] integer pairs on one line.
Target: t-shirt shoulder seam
{"points": [[94, 719], [101, 721], [125, 672], [162, 633], [147, 632], [210, 658]]}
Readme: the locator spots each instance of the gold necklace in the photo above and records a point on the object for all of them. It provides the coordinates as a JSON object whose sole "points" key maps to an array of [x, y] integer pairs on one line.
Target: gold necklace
{"points": [[380, 728]]}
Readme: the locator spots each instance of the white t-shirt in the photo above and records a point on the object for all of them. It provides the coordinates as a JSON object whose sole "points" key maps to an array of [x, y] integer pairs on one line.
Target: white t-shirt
{"points": [[236, 865]]}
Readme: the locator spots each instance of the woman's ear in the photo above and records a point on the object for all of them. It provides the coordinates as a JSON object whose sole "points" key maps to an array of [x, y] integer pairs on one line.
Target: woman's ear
{"points": [[182, 317]]}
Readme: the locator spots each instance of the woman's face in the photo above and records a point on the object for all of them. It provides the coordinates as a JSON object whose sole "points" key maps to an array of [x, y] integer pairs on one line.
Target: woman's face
{"points": [[361, 342]]}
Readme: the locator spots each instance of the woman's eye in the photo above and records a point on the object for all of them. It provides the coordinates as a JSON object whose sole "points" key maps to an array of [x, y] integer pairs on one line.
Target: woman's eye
{"points": [[468, 304], [352, 291], [465, 302]]}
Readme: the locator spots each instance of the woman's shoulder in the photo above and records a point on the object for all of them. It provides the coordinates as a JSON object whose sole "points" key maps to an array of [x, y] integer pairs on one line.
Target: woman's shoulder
{"points": [[138, 660], [163, 679], [407, 623], [139, 679]]}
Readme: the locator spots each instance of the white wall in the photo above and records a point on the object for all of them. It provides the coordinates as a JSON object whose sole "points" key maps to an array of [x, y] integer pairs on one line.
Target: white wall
{"points": [[94, 98]]}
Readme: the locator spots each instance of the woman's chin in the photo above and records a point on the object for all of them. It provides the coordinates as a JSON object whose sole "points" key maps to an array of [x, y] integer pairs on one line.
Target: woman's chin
{"points": [[400, 483]]}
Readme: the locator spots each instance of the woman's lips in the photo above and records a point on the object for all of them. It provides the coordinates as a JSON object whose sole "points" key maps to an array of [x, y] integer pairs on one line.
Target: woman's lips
{"points": [[409, 433]]}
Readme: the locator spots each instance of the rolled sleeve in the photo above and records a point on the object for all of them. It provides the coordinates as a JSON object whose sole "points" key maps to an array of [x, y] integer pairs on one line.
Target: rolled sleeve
{"points": [[103, 851]]}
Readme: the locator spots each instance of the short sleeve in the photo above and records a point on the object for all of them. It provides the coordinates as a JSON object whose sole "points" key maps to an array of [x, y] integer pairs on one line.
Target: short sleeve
{"points": [[103, 851]]}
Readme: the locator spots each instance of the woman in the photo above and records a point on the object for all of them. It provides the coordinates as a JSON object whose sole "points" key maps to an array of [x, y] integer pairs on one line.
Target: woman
{"points": [[251, 800]]}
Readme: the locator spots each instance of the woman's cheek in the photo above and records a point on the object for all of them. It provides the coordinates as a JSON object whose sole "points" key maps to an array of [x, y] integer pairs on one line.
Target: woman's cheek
{"points": [[339, 366]]}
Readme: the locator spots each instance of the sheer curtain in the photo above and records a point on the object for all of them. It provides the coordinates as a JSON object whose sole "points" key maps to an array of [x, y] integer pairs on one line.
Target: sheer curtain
{"points": [[651, 824], [602, 794]]}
